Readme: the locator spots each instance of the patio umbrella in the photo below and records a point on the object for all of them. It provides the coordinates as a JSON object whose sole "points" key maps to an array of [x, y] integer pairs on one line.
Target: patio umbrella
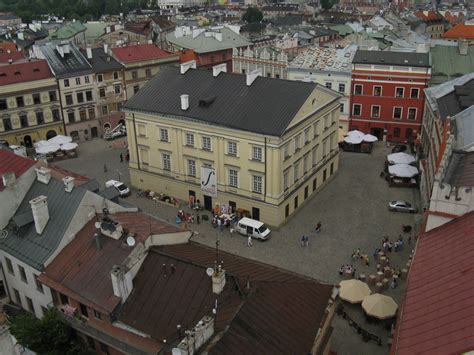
{"points": [[355, 133], [353, 139], [369, 138], [59, 139], [403, 170], [353, 291], [68, 146], [41, 143], [47, 148], [400, 158], [379, 306]]}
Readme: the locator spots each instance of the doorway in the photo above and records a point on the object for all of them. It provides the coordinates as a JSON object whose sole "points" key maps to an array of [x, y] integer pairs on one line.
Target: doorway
{"points": [[28, 141], [306, 191], [256, 213], [233, 205], [208, 203], [378, 132], [94, 132], [52, 133]]}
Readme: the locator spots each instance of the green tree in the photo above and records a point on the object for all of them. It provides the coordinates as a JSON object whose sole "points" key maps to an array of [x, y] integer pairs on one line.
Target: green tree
{"points": [[252, 15], [327, 4]]}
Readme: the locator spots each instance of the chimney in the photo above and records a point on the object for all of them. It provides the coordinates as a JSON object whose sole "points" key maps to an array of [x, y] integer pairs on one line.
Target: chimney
{"points": [[218, 36], [68, 183], [218, 280], [66, 48], [122, 282], [97, 241], [60, 51], [39, 207], [107, 29], [184, 102], [43, 175], [463, 46], [184, 67], [253, 75], [217, 69], [89, 52], [10, 61], [106, 48], [8, 178]]}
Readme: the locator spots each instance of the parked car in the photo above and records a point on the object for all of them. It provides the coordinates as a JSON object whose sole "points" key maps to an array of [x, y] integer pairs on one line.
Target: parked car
{"points": [[123, 189], [401, 206], [256, 229], [399, 148]]}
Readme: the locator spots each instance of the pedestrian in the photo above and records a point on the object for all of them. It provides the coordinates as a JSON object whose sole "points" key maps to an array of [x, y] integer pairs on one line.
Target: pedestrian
{"points": [[127, 157], [389, 246], [396, 245], [303, 239], [409, 240], [306, 241], [231, 231], [121, 158], [198, 218], [400, 244], [318, 227], [249, 241]]}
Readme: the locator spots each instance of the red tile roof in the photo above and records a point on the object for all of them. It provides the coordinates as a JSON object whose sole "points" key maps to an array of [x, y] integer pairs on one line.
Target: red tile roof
{"points": [[139, 52], [429, 16], [10, 162], [24, 72], [462, 30], [437, 314], [15, 56]]}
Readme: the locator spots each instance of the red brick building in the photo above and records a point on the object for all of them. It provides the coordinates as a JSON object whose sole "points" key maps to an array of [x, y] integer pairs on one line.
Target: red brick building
{"points": [[387, 97]]}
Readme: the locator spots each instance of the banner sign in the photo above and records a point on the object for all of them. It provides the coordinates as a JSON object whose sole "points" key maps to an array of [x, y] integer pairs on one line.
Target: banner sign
{"points": [[208, 181]]}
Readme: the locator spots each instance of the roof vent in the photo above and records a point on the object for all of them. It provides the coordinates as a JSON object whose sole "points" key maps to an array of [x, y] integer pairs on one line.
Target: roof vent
{"points": [[207, 101], [184, 67], [184, 102], [382, 60], [253, 75], [36, 69], [217, 69], [8, 178], [17, 72], [405, 61], [364, 59], [10, 61]]}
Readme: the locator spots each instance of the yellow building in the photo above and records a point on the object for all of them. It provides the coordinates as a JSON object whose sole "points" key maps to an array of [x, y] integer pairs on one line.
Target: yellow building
{"points": [[29, 103], [260, 145]]}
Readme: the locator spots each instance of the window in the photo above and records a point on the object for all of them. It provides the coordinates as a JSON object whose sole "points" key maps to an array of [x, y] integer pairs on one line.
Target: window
{"points": [[3, 104], [396, 132], [29, 303], [104, 348], [325, 148], [286, 180], [305, 163], [375, 111], [102, 92], [105, 110], [412, 113], [397, 113], [399, 92], [257, 184], [190, 139], [232, 148], [191, 167], [297, 142], [56, 115], [82, 115], [17, 296], [243, 71], [342, 88], [91, 113], [119, 106], [356, 109], [277, 76], [414, 93], [206, 143], [7, 124], [341, 108], [97, 314], [36, 99], [117, 89], [316, 129], [90, 342], [233, 178], [39, 117], [9, 266], [80, 97], [134, 74], [314, 157], [66, 83], [116, 75], [377, 91], [315, 184], [296, 202], [23, 121], [84, 310], [148, 72], [52, 96], [19, 101], [164, 135], [71, 117], [329, 85], [136, 88], [257, 153], [69, 99], [358, 89], [86, 79], [327, 121], [166, 162], [89, 96], [78, 81], [63, 299], [306, 135], [39, 285], [296, 172]]}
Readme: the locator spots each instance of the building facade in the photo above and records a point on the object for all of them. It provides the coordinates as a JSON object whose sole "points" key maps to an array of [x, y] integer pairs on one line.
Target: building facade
{"points": [[263, 168], [29, 103], [272, 63], [387, 97]]}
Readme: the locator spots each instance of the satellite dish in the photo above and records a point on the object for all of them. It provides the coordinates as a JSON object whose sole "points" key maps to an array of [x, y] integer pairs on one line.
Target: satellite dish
{"points": [[209, 271], [130, 241]]}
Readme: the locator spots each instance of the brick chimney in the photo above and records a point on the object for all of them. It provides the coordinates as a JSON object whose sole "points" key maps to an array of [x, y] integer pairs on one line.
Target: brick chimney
{"points": [[39, 207]]}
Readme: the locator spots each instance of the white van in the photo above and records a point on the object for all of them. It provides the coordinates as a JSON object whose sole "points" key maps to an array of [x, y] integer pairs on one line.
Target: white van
{"points": [[256, 229]]}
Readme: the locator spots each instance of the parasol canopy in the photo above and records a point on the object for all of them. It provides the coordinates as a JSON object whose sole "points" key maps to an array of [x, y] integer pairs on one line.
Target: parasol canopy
{"points": [[353, 291], [59, 139], [400, 158], [369, 138], [403, 170], [355, 133], [354, 139], [68, 146], [47, 148], [379, 306]]}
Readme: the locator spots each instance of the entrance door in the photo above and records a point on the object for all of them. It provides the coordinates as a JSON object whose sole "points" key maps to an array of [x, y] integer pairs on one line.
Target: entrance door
{"points": [[256, 213], [208, 203], [233, 205], [94, 132], [378, 132], [28, 142]]}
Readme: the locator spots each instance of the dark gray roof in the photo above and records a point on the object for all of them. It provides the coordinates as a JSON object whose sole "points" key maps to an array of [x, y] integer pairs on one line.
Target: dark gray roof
{"points": [[102, 62], [72, 64], [459, 99], [30, 247], [265, 107], [393, 58], [109, 193]]}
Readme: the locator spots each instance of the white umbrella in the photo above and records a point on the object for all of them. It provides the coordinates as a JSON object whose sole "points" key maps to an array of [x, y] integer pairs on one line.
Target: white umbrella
{"points": [[369, 138], [68, 146], [379, 306], [353, 291], [353, 139], [400, 158], [59, 139], [403, 170], [355, 133], [41, 143], [49, 148]]}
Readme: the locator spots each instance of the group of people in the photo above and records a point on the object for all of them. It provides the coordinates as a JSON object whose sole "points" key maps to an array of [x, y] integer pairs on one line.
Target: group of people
{"points": [[348, 269], [127, 156], [220, 223], [398, 245], [304, 241], [187, 217], [358, 255]]}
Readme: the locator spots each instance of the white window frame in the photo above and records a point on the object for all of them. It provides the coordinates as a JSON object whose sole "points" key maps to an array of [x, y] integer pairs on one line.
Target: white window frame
{"points": [[78, 80], [257, 184], [314, 155], [204, 145], [234, 150], [257, 153], [296, 171], [119, 91], [191, 167], [286, 180], [189, 139], [166, 161], [403, 92], [417, 95], [305, 163], [306, 135], [316, 129], [328, 85], [164, 135], [297, 142], [373, 90], [100, 78], [372, 111], [360, 110], [327, 121], [286, 151], [408, 113], [343, 88], [86, 79], [233, 178], [361, 89], [401, 113]]}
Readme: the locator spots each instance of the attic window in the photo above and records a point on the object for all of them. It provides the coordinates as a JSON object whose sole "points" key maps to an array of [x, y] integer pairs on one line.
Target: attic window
{"points": [[35, 69], [207, 101], [405, 61], [3, 74], [17, 72]]}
